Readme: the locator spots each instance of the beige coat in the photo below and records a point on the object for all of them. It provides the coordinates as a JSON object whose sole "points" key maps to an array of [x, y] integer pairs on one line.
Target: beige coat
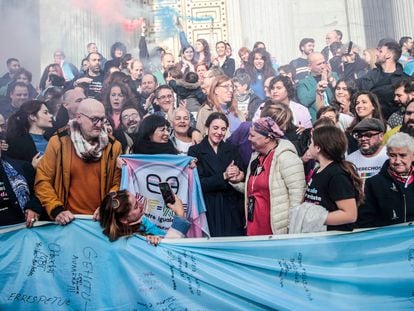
{"points": [[286, 185]]}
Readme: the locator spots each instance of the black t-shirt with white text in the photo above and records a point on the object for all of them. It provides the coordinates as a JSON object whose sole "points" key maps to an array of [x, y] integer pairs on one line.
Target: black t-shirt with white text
{"points": [[328, 186]]}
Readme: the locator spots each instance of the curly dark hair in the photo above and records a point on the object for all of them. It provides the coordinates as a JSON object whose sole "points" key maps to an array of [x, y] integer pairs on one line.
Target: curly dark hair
{"points": [[287, 83], [267, 70], [350, 84], [119, 46]]}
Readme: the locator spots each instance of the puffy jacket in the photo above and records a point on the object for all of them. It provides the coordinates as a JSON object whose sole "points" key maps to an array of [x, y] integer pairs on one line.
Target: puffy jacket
{"points": [[286, 185]]}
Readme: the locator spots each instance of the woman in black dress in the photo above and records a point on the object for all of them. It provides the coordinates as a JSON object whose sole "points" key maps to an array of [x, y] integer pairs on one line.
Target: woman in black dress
{"points": [[218, 166]]}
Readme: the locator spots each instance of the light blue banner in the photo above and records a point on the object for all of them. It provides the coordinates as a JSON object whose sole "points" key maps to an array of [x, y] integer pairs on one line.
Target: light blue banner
{"points": [[143, 173], [76, 268]]}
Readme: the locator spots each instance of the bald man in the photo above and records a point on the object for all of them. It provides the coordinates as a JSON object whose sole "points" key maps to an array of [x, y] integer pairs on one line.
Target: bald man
{"points": [[71, 100], [68, 109], [331, 37], [79, 166], [136, 73], [316, 90]]}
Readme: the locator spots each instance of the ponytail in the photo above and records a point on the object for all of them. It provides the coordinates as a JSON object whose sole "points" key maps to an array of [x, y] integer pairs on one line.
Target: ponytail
{"points": [[333, 144], [18, 123], [114, 207], [357, 182]]}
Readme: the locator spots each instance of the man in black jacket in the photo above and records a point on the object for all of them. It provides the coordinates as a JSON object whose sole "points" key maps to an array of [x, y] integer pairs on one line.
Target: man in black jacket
{"points": [[13, 65], [381, 79], [92, 81], [19, 93], [389, 195]]}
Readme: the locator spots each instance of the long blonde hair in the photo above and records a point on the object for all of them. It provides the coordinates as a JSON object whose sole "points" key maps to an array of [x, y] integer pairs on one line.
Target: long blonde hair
{"points": [[280, 113], [372, 57], [212, 98]]}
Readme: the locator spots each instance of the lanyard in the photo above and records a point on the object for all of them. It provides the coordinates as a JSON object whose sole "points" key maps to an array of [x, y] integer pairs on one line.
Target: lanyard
{"points": [[259, 169]]}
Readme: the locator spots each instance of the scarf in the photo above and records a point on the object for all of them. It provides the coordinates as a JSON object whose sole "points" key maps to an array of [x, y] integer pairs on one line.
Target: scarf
{"points": [[18, 184], [84, 149], [406, 180], [243, 97]]}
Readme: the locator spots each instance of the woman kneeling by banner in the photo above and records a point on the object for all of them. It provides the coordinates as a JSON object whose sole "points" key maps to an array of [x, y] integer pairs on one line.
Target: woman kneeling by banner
{"points": [[122, 213]]}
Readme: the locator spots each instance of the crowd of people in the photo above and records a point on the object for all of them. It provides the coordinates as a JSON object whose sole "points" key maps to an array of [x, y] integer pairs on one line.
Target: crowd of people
{"points": [[331, 132]]}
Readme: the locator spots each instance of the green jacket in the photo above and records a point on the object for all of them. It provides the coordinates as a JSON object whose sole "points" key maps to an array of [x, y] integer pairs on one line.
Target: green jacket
{"points": [[306, 93]]}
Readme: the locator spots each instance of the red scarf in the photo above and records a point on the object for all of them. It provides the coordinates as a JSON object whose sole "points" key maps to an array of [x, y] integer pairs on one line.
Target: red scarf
{"points": [[407, 179]]}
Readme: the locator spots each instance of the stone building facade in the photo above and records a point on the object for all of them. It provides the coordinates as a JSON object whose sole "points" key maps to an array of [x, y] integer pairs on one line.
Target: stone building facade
{"points": [[33, 29]]}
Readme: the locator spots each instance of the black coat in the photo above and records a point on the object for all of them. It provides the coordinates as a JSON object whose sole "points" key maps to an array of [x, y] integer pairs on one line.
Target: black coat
{"points": [[387, 201], [142, 146], [62, 119], [229, 66], [382, 85], [225, 205], [22, 148], [254, 104], [120, 136]]}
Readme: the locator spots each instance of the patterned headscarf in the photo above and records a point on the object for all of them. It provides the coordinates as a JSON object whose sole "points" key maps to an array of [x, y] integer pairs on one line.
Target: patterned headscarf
{"points": [[268, 128]]}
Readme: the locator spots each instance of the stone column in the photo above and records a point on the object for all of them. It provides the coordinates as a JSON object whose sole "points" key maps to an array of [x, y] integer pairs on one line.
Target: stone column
{"points": [[235, 27], [355, 21], [269, 21], [403, 22]]}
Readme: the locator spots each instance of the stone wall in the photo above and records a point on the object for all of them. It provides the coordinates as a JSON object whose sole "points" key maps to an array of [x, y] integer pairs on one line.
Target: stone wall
{"points": [[33, 29]]}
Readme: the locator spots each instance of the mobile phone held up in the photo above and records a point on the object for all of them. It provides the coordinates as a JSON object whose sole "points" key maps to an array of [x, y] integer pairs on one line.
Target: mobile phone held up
{"points": [[166, 192]]}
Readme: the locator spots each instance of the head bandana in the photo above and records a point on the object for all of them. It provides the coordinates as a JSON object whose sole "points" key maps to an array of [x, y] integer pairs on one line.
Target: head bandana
{"points": [[267, 127]]}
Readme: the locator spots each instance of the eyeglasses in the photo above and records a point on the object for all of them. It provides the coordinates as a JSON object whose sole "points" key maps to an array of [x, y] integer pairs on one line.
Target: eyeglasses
{"points": [[165, 97], [94, 120], [128, 116], [360, 135], [228, 87]]}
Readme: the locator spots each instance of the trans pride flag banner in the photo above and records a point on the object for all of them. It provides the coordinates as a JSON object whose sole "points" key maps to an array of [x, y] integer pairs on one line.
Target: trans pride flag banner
{"points": [[75, 267], [143, 173]]}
